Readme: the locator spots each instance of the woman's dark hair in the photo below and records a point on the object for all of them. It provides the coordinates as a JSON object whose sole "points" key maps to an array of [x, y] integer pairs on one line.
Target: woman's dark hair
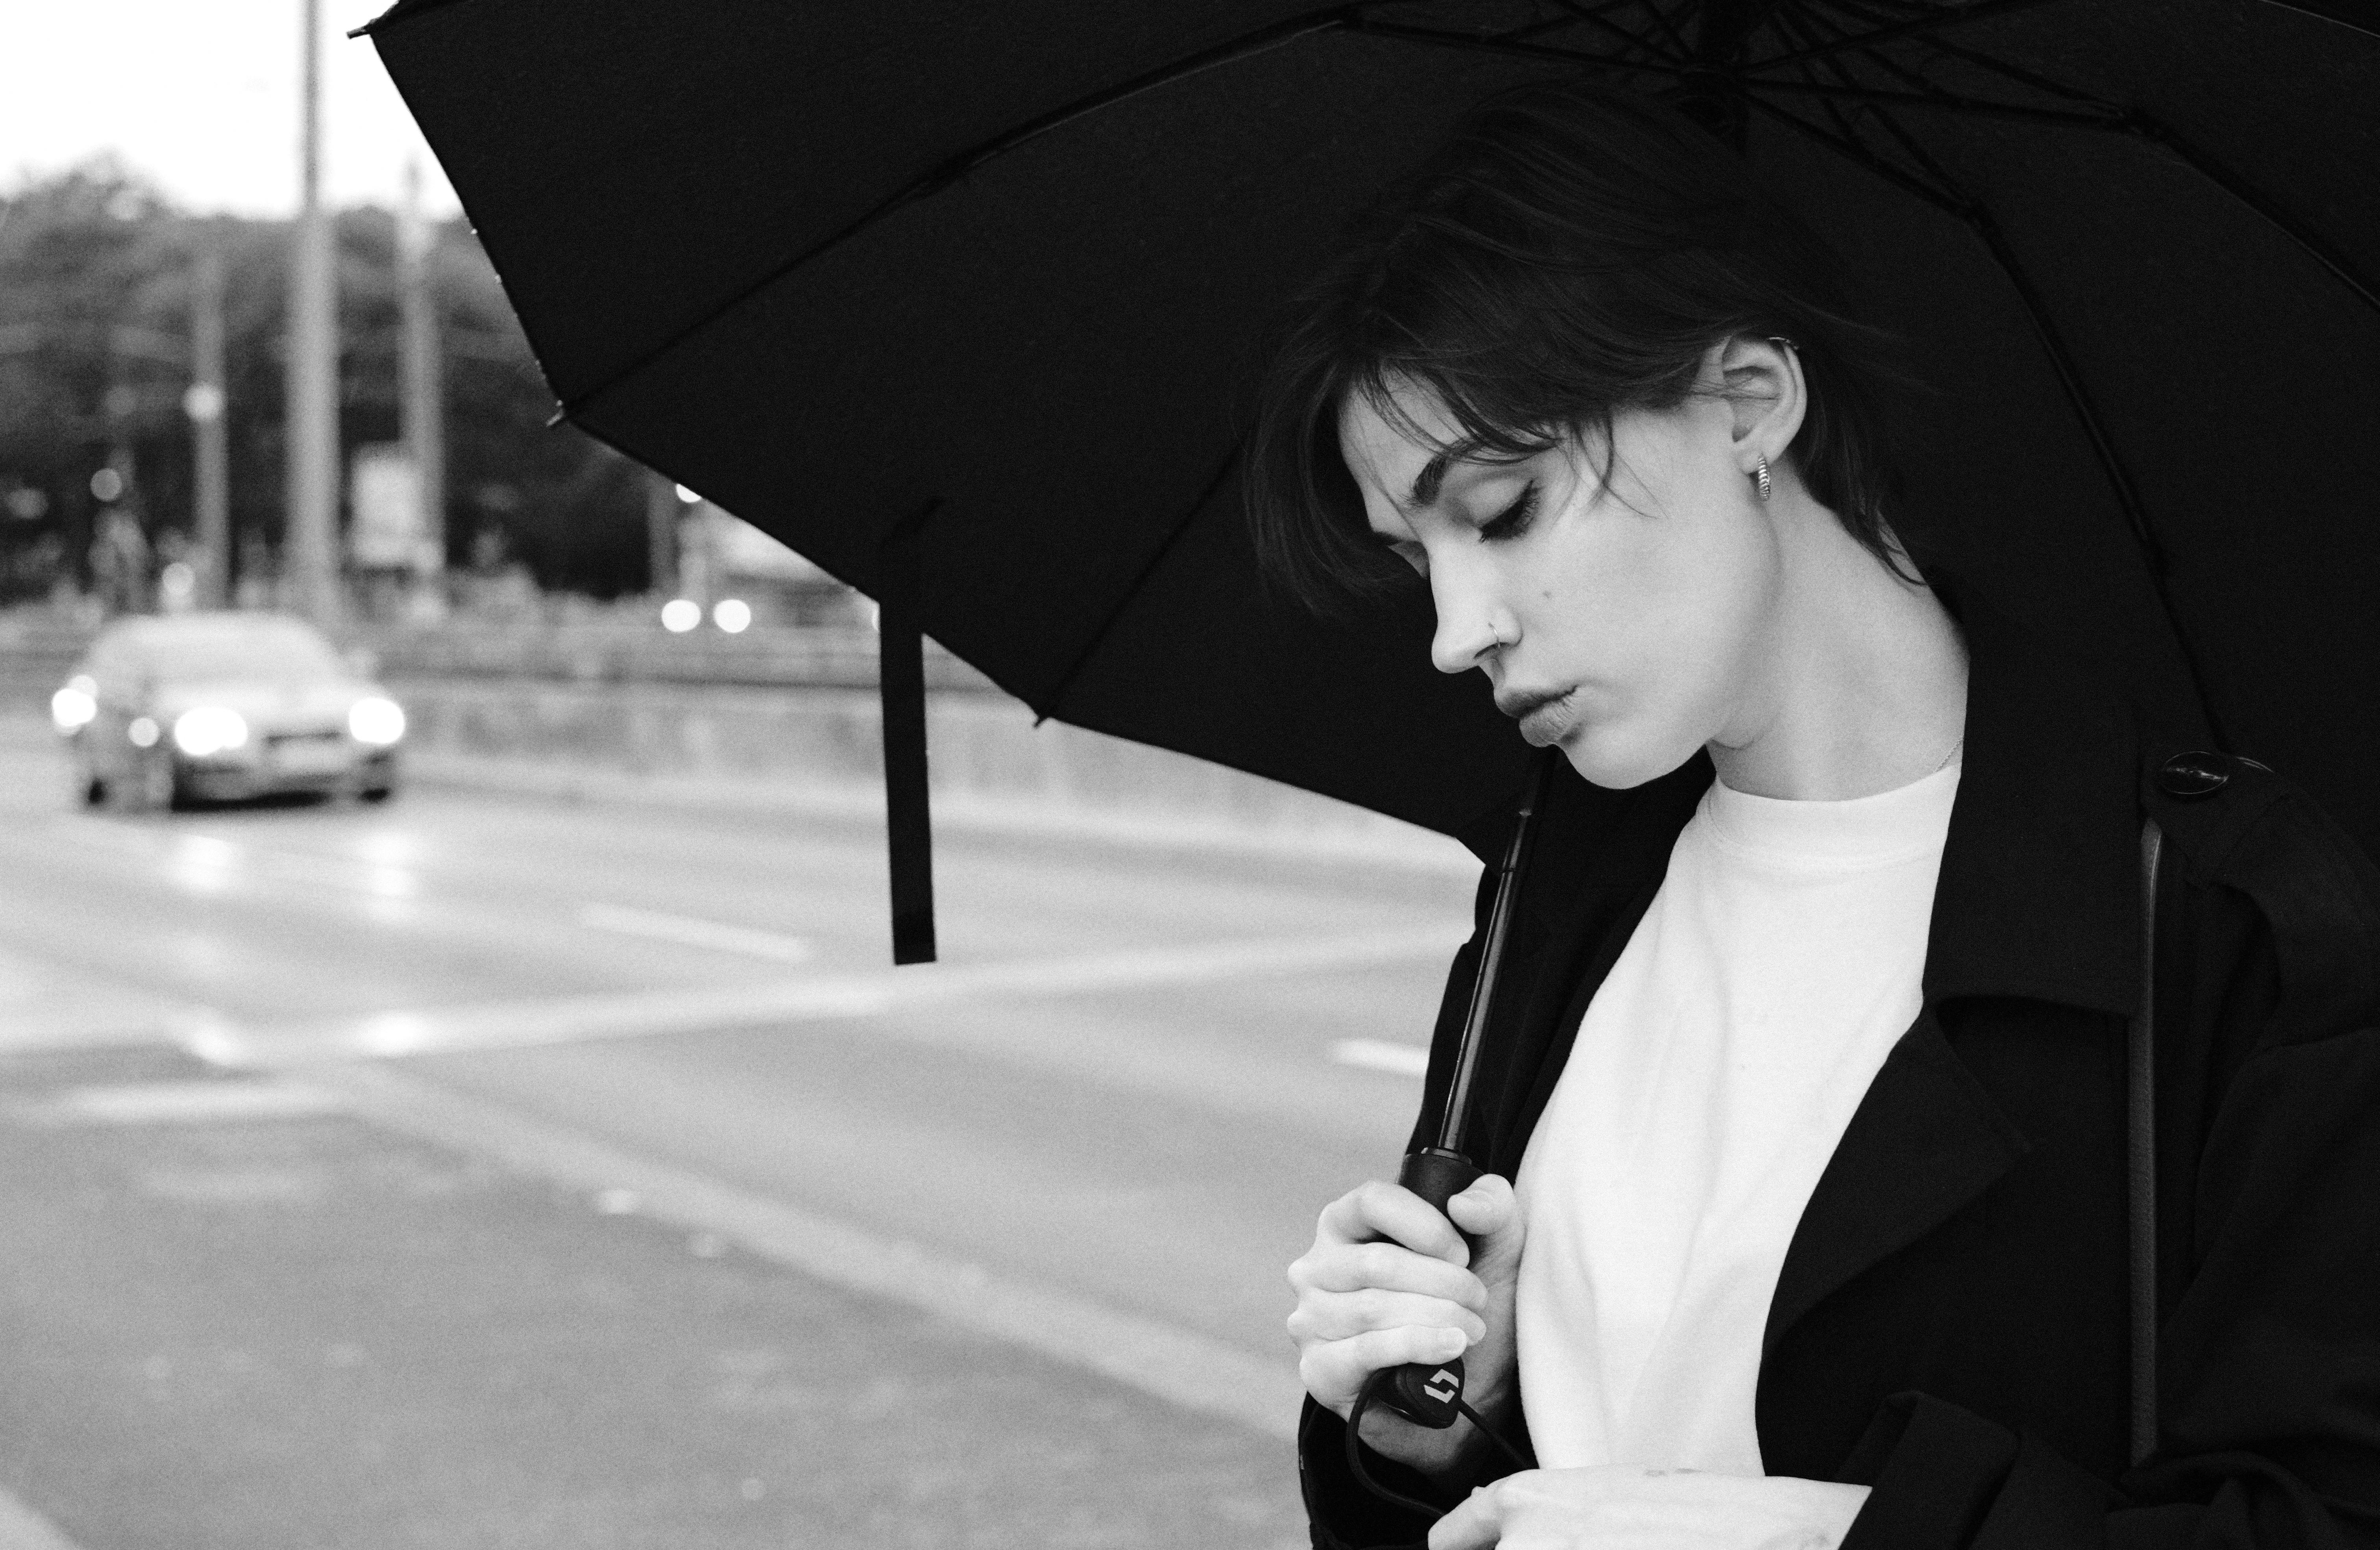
{"points": [[1566, 255]]}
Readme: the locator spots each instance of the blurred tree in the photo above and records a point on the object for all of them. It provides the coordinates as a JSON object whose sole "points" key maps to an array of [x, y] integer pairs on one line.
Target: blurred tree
{"points": [[95, 271]]}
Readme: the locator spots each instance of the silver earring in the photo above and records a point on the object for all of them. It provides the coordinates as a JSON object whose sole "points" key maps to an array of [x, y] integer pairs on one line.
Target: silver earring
{"points": [[1761, 475]]}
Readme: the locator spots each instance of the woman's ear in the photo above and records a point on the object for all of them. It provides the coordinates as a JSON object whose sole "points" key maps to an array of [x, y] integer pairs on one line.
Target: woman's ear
{"points": [[1762, 381]]}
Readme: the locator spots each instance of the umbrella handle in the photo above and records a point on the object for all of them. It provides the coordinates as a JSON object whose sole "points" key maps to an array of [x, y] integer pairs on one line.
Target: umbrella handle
{"points": [[1430, 1394]]}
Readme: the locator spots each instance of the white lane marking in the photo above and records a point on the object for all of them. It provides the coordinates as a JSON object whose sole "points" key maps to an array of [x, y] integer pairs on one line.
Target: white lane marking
{"points": [[1377, 1054], [1195, 1371], [50, 1006], [208, 864], [154, 1103], [23, 1529], [687, 931], [638, 1013]]}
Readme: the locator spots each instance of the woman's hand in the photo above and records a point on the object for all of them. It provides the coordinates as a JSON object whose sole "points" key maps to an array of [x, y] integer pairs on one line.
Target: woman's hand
{"points": [[1388, 1281], [1628, 1506]]}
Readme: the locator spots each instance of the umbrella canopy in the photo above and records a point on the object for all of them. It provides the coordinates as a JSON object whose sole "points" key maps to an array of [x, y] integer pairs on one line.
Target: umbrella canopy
{"points": [[837, 265]]}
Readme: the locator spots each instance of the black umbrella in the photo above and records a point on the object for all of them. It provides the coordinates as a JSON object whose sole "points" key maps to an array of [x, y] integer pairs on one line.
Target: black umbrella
{"points": [[984, 280]]}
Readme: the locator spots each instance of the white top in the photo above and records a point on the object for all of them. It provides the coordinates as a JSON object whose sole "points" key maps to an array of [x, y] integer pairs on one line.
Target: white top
{"points": [[1713, 1075]]}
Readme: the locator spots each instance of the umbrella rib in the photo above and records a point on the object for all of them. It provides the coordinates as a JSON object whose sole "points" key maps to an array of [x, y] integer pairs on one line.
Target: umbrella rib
{"points": [[1980, 107], [2326, 13], [1978, 10], [1402, 32], [1803, 30], [2153, 130], [1916, 153], [2069, 381], [1140, 578], [2045, 332], [1979, 219], [1678, 46], [2113, 118], [2137, 126], [1851, 149], [1597, 18], [1280, 35], [1977, 58], [952, 169]]}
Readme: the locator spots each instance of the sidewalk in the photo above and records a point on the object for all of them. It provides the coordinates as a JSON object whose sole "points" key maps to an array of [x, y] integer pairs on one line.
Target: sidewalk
{"points": [[243, 1318]]}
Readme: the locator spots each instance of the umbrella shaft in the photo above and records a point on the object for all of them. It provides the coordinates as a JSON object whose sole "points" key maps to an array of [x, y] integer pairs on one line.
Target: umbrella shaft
{"points": [[1491, 958]]}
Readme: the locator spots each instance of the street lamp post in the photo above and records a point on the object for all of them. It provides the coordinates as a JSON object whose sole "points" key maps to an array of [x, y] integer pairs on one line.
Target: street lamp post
{"points": [[421, 402], [204, 402], [312, 510]]}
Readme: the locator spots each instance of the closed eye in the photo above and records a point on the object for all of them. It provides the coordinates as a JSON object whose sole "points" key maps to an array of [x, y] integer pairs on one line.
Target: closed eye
{"points": [[1514, 520]]}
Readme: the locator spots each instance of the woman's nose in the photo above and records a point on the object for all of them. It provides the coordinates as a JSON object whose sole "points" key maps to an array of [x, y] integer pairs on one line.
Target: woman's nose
{"points": [[1470, 624]]}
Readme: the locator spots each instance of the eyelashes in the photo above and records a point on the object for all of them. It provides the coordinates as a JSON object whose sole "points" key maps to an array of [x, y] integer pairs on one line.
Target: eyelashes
{"points": [[1514, 520]]}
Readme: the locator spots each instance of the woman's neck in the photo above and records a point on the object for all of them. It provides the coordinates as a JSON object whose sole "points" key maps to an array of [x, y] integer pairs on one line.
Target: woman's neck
{"points": [[1861, 682]]}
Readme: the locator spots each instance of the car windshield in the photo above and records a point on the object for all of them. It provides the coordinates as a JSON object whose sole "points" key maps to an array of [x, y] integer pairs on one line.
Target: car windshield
{"points": [[280, 650]]}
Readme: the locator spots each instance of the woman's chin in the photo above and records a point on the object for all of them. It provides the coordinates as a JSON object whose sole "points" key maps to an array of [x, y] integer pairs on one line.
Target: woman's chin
{"points": [[1605, 755]]}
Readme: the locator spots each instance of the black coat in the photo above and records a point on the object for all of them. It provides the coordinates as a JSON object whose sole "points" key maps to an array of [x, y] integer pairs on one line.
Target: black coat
{"points": [[1949, 1324]]}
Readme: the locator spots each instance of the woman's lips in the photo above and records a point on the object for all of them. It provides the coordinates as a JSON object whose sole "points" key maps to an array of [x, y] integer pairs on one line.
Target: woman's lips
{"points": [[1549, 721]]}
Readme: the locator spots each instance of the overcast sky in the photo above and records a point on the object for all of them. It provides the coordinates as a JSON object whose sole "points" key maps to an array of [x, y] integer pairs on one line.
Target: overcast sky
{"points": [[201, 96]]}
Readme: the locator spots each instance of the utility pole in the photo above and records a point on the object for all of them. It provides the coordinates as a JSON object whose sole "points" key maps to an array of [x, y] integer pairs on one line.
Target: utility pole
{"points": [[310, 553], [661, 533], [422, 407], [204, 404]]}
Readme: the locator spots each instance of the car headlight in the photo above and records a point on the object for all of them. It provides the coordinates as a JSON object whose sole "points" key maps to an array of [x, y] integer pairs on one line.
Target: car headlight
{"points": [[376, 720], [210, 729], [73, 707]]}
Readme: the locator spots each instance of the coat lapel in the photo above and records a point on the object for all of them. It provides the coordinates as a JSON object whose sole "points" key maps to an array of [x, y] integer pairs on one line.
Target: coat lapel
{"points": [[2038, 898], [1924, 1140]]}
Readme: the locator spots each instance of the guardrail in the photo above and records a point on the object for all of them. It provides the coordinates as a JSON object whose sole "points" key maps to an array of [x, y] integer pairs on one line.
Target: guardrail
{"points": [[37, 650]]}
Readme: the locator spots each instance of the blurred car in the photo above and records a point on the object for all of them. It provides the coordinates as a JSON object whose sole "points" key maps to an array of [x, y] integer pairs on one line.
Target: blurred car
{"points": [[222, 706]]}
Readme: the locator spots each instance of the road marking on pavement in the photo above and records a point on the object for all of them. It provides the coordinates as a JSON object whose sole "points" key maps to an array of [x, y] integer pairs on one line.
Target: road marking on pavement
{"points": [[687, 931], [216, 1102], [23, 1529], [642, 1013], [47, 1005], [1380, 1054], [1181, 1366]]}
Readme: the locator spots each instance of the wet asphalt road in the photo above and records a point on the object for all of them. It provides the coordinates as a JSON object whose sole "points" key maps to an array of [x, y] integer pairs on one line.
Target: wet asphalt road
{"points": [[1133, 1081]]}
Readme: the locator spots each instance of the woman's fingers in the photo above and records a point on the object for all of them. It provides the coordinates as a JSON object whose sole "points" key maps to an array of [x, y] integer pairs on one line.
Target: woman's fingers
{"points": [[1386, 1266], [1334, 1371], [1383, 1210], [1346, 1315], [1477, 1524], [1485, 1208], [1489, 1211]]}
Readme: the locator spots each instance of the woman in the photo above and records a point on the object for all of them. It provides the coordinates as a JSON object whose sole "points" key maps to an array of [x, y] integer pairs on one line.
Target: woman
{"points": [[1803, 1109]]}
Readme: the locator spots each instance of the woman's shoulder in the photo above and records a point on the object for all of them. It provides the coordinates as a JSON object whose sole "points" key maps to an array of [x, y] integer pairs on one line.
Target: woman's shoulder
{"points": [[2265, 868]]}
